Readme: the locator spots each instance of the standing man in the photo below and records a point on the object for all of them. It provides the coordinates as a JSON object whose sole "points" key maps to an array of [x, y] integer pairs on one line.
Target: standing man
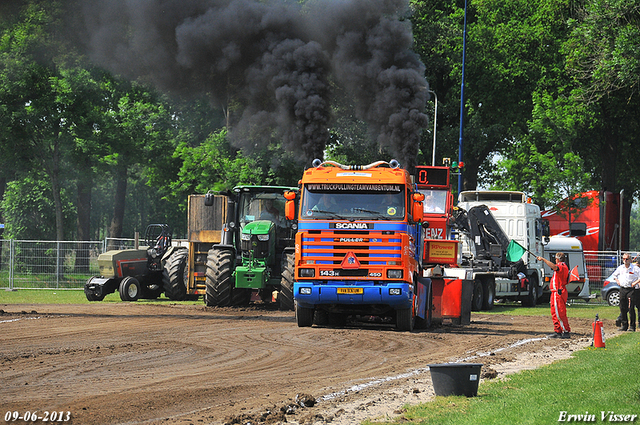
{"points": [[559, 294], [627, 275]]}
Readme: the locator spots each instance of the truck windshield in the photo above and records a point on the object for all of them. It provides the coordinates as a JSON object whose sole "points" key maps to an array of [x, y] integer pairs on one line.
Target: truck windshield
{"points": [[359, 205], [435, 201], [261, 206]]}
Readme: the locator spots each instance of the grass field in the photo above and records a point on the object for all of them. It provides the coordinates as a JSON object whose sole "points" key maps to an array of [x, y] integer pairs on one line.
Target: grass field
{"points": [[602, 384], [68, 296]]}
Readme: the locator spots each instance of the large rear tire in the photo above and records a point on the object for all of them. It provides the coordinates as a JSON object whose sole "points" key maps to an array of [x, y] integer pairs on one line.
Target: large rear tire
{"points": [[173, 275], [219, 278], [130, 289], [285, 297]]}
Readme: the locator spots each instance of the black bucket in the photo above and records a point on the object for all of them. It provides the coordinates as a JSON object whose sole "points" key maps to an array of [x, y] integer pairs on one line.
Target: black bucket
{"points": [[455, 378]]}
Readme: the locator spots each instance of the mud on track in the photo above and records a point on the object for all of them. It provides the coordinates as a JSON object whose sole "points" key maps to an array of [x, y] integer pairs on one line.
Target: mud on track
{"points": [[182, 364]]}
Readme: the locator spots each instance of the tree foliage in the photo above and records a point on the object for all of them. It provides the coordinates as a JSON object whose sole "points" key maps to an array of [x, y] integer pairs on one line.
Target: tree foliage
{"points": [[551, 108]]}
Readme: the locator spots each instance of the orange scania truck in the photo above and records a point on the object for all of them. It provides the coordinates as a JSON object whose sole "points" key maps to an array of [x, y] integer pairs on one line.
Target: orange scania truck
{"points": [[358, 249]]}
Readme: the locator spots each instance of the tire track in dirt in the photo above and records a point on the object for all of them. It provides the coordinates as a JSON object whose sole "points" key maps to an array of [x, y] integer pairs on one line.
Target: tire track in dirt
{"points": [[112, 363]]}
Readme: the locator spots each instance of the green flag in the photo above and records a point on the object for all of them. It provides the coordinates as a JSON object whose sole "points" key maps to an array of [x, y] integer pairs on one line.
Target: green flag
{"points": [[515, 251]]}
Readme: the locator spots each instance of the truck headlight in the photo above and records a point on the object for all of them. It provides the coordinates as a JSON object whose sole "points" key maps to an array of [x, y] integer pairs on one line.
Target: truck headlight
{"points": [[307, 272], [245, 237], [263, 237], [395, 291], [305, 291], [394, 274]]}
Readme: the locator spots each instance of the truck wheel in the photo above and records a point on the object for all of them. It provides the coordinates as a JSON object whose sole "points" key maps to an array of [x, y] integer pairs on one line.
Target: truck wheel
{"points": [[478, 295], [173, 279], [488, 295], [130, 289], [304, 316], [285, 297], [531, 299], [404, 319], [219, 278]]}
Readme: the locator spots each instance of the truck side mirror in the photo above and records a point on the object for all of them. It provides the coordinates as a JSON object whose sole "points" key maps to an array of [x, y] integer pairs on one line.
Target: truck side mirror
{"points": [[290, 210], [290, 205], [417, 211]]}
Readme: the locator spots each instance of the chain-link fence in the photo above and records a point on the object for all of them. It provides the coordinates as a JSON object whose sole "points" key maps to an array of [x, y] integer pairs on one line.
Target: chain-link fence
{"points": [[601, 264], [47, 264], [28, 264], [69, 264]]}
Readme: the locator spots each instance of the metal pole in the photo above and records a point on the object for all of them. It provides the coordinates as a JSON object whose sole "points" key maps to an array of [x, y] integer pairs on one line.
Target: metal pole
{"points": [[11, 261], [435, 120], [464, 51], [58, 268], [620, 218]]}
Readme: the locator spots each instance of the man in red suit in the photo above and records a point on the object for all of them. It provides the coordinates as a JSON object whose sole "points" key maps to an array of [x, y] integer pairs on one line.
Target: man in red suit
{"points": [[559, 294]]}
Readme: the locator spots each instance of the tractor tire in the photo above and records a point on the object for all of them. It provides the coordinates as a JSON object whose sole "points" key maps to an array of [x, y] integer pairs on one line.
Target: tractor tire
{"points": [[173, 276], [93, 295], [304, 316], [285, 297], [219, 278], [130, 289]]}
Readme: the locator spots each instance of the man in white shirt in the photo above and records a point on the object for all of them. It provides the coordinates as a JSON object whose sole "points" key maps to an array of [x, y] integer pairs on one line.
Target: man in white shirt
{"points": [[627, 275]]}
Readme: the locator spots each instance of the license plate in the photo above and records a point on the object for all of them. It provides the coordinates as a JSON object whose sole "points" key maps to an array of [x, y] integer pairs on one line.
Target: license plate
{"points": [[350, 291]]}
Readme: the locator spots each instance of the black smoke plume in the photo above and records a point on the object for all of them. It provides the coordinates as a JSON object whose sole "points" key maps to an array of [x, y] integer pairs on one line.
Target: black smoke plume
{"points": [[270, 64]]}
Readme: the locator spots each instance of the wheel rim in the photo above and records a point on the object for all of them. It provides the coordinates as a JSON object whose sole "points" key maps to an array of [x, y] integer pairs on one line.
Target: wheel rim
{"points": [[132, 290], [614, 298]]}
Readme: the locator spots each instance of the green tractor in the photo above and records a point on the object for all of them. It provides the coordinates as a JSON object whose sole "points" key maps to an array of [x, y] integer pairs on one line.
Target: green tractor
{"points": [[255, 258], [136, 273]]}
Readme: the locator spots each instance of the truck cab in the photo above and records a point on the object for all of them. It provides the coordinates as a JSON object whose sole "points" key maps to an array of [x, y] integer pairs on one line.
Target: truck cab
{"points": [[358, 246]]}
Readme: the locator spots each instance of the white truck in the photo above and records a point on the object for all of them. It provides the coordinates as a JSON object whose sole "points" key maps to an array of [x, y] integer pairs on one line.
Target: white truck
{"points": [[572, 247], [518, 219]]}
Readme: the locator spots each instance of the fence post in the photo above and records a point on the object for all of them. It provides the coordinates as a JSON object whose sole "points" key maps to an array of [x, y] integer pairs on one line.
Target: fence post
{"points": [[58, 265], [11, 264]]}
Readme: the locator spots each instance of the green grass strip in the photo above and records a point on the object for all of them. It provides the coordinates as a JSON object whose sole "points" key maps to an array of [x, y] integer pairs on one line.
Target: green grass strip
{"points": [[66, 296], [595, 383]]}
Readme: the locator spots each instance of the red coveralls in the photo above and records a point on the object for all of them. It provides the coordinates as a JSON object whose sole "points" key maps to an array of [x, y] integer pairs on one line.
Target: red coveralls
{"points": [[559, 302]]}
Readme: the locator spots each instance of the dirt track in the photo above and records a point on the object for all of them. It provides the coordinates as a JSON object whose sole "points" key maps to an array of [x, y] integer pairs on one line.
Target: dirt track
{"points": [[176, 364]]}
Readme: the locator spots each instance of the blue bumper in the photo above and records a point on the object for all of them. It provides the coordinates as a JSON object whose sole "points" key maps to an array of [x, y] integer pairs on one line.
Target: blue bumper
{"points": [[314, 293]]}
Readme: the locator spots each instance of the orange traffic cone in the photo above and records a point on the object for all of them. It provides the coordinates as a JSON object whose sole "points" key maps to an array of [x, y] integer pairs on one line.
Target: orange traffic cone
{"points": [[598, 333]]}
